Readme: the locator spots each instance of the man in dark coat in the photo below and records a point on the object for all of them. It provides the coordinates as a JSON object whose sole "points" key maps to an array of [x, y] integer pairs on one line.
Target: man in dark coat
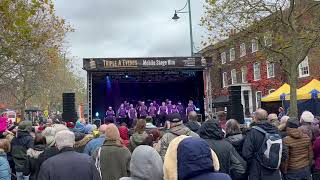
{"points": [[252, 144], [68, 164], [193, 123], [19, 146], [230, 161]]}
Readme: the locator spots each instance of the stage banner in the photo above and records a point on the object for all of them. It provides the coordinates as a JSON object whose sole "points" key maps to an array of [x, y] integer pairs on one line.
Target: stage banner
{"points": [[103, 64]]}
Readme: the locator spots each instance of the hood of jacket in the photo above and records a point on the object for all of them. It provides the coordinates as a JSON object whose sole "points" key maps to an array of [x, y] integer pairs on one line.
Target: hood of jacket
{"points": [[146, 163], [211, 130], [83, 141], [235, 138], [294, 133], [137, 138], [180, 130], [188, 157], [35, 151]]}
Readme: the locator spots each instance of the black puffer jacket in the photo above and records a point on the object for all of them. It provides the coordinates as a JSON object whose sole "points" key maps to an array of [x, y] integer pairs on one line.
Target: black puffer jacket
{"points": [[251, 146], [19, 147], [230, 161]]}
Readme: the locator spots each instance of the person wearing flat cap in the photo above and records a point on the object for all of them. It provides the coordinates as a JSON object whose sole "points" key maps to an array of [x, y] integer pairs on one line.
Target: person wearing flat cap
{"points": [[19, 146], [177, 128]]}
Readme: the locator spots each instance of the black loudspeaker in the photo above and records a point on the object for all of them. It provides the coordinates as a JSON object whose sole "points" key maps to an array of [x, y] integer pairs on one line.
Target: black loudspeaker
{"points": [[235, 110], [69, 113]]}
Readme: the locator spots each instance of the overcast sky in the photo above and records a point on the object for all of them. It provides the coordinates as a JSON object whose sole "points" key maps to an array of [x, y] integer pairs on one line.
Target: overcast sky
{"points": [[129, 28]]}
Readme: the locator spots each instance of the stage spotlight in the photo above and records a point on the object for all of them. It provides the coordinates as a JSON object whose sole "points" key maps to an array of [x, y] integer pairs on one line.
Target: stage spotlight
{"points": [[126, 76], [97, 114]]}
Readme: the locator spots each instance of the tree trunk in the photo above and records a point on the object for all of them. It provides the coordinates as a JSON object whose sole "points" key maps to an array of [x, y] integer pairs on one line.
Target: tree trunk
{"points": [[293, 80], [22, 109]]}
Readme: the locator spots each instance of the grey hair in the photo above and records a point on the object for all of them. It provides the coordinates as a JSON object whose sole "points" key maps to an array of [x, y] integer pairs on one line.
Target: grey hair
{"points": [[64, 138], [232, 127]]}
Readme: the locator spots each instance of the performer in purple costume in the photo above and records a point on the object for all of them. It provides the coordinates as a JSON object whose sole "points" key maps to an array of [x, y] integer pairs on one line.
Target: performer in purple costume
{"points": [[132, 113], [155, 104], [163, 111], [122, 114], [190, 108], [110, 112], [174, 109], [143, 110], [169, 106], [180, 108], [152, 110], [126, 105]]}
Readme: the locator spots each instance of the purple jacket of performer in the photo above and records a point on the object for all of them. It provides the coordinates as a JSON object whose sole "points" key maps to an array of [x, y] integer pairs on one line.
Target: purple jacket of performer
{"points": [[132, 112], [174, 109], [152, 110], [110, 112], [163, 110], [122, 111], [155, 104], [169, 106], [180, 108], [143, 110], [190, 108]]}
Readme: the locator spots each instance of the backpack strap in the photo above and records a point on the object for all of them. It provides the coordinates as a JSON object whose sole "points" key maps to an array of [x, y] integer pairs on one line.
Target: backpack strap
{"points": [[260, 129], [97, 163]]}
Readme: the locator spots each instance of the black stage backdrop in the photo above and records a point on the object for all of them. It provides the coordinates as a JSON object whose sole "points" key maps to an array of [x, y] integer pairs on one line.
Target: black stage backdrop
{"points": [[108, 92]]}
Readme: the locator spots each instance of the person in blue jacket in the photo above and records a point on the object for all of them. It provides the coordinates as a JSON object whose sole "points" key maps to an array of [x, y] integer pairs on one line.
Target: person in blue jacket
{"points": [[5, 172]]}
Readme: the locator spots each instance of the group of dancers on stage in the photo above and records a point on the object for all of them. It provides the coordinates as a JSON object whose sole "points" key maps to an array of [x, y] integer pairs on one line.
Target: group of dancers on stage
{"points": [[128, 113]]}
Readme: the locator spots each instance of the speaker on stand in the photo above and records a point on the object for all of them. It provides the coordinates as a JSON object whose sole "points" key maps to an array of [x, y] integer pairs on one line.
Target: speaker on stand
{"points": [[235, 110], [69, 113]]}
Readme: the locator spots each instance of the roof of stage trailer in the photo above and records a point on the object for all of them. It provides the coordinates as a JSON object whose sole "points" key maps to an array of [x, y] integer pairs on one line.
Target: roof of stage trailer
{"points": [[150, 63]]}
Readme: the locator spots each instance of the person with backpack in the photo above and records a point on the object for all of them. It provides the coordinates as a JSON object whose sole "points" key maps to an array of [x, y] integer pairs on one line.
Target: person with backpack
{"points": [[230, 161], [297, 166], [177, 128], [261, 140]]}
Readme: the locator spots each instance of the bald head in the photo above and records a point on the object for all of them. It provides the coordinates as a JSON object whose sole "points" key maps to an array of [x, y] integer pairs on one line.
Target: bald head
{"points": [[193, 116], [260, 115], [102, 128], [272, 117]]}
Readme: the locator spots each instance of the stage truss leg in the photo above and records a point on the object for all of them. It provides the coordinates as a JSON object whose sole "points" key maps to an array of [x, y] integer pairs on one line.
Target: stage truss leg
{"points": [[89, 96]]}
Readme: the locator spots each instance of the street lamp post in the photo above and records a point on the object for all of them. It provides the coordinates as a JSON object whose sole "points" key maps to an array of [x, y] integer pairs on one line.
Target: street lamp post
{"points": [[176, 17]]}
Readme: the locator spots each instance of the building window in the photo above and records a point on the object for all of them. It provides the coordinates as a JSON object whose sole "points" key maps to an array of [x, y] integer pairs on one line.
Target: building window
{"points": [[271, 91], [258, 99], [254, 45], [233, 76], [268, 39], [223, 57], [244, 74], [256, 71], [270, 70], [242, 49], [232, 54], [304, 68], [225, 79]]}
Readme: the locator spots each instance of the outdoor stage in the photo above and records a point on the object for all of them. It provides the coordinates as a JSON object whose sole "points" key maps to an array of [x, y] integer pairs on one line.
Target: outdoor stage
{"points": [[114, 80]]}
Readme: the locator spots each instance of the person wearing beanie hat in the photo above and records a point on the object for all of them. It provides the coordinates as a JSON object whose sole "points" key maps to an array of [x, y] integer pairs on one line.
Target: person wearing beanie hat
{"points": [[19, 146], [307, 127], [94, 144], [297, 166], [177, 128], [79, 127]]}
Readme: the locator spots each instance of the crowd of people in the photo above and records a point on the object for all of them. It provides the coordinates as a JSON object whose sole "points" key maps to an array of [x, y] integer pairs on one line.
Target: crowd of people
{"points": [[272, 148], [128, 113]]}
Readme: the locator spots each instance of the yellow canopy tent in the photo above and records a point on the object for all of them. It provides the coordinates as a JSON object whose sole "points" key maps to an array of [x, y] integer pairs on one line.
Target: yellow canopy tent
{"points": [[276, 95], [308, 90]]}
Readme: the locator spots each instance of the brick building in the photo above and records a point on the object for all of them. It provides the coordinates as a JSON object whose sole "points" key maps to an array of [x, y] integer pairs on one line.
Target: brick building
{"points": [[238, 61]]}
